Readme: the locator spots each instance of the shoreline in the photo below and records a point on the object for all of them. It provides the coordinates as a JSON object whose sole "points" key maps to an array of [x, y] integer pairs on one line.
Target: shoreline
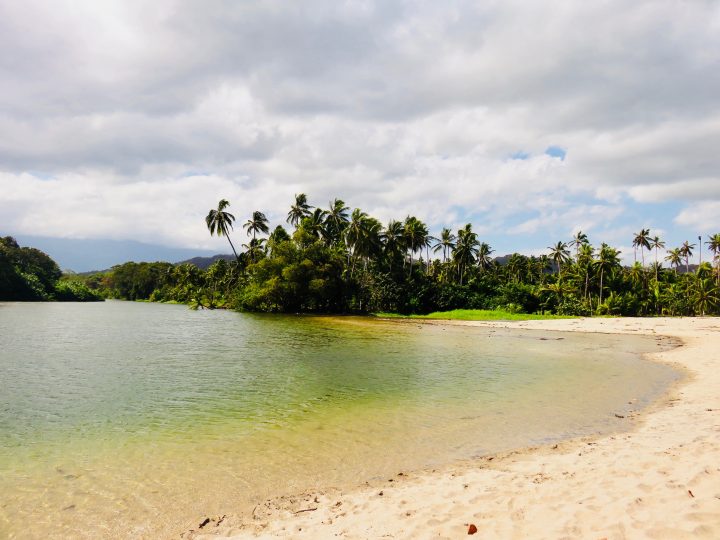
{"points": [[659, 478]]}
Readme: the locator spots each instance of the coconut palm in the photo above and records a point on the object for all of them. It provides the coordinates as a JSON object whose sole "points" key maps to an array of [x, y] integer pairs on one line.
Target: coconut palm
{"points": [[255, 248], [674, 257], [393, 241], [686, 251], [446, 242], [656, 244], [642, 241], [299, 210], [315, 224], [362, 237], [220, 222], [608, 259], [578, 240], [516, 266], [336, 219], [466, 250], [559, 254], [483, 256], [713, 244], [258, 223], [415, 234], [704, 296]]}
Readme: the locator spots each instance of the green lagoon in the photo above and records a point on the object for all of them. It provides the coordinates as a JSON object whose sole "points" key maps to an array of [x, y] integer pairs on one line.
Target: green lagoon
{"points": [[123, 419]]}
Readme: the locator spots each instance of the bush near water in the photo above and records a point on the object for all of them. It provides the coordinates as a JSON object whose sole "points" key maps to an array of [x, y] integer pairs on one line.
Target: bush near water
{"points": [[338, 261]]}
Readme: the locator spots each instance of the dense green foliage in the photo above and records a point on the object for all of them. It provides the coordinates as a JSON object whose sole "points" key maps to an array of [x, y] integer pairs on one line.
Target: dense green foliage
{"points": [[29, 274], [340, 261]]}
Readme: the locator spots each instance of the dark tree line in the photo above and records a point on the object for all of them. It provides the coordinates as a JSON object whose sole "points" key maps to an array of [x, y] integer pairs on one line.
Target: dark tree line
{"points": [[340, 260], [29, 274]]}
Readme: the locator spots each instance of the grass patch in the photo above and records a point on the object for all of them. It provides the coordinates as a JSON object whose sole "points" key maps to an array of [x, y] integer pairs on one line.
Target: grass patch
{"points": [[475, 315]]}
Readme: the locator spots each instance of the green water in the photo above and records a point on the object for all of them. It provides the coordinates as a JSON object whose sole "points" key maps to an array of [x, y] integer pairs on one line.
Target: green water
{"points": [[134, 420]]}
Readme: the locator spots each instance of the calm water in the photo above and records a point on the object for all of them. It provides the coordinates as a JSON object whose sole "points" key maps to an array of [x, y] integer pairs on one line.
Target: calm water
{"points": [[126, 419]]}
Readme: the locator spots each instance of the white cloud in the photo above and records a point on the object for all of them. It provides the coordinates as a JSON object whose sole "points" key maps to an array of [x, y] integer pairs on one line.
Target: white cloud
{"points": [[145, 114]]}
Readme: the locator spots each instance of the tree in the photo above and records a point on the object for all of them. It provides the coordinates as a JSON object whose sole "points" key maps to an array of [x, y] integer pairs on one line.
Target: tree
{"points": [[220, 222], [656, 244], [713, 244], [415, 235], [686, 251], [362, 236], [446, 242], [393, 241], [578, 240], [299, 210], [315, 224], [704, 296], [642, 241], [608, 259], [336, 220], [674, 257], [483, 257], [466, 249], [258, 223], [559, 254]]}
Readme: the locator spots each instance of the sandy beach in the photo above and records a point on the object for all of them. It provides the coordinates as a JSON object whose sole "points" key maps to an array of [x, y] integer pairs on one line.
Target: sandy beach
{"points": [[658, 479]]}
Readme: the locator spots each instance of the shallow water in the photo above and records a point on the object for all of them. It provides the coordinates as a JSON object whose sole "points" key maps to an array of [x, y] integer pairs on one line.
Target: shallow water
{"points": [[137, 420]]}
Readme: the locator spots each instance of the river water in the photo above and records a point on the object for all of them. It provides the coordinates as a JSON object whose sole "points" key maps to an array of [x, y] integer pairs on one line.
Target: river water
{"points": [[122, 419]]}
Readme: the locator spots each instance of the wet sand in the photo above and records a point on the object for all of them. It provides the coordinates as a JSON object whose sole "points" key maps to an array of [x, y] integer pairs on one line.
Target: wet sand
{"points": [[658, 479]]}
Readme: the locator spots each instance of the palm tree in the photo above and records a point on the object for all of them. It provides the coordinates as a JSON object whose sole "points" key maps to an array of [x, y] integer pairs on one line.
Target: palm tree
{"points": [[446, 242], [705, 296], [656, 244], [674, 257], [415, 234], [466, 249], [257, 223], [220, 222], [299, 210], [483, 256], [642, 241], [515, 266], [336, 219], [608, 259], [686, 251], [315, 224], [362, 236], [393, 241], [578, 240], [559, 254], [713, 244], [255, 248]]}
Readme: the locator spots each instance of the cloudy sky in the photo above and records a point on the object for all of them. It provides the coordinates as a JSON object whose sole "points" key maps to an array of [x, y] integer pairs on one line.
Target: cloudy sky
{"points": [[130, 120]]}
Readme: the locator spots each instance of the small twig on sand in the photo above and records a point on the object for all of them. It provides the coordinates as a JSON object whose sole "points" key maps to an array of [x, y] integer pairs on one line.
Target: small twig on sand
{"points": [[306, 510]]}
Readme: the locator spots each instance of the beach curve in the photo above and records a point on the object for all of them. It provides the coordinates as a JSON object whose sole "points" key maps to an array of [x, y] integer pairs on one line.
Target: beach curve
{"points": [[659, 479]]}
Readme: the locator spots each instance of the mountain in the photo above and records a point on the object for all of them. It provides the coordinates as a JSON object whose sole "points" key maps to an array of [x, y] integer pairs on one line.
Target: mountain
{"points": [[81, 255], [204, 262]]}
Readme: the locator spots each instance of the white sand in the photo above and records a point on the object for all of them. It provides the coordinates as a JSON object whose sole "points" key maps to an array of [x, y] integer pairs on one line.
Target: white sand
{"points": [[661, 479]]}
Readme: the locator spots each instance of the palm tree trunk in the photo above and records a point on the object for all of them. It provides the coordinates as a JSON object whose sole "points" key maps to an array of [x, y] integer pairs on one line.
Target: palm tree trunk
{"points": [[233, 248], [601, 286]]}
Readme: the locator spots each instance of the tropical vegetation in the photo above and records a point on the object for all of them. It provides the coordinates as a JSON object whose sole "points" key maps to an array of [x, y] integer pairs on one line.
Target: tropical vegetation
{"points": [[29, 274], [342, 260]]}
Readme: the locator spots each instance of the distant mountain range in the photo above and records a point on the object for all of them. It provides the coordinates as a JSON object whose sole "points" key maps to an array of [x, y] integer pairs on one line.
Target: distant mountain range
{"points": [[204, 262], [82, 256]]}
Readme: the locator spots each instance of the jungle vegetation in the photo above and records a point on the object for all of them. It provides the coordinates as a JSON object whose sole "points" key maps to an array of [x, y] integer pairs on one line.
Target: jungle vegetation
{"points": [[338, 260], [28, 274]]}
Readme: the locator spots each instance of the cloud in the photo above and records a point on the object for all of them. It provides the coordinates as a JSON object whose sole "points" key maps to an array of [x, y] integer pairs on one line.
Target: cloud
{"points": [[517, 117]]}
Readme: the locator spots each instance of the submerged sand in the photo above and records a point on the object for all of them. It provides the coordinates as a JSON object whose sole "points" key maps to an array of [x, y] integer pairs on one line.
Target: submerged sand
{"points": [[659, 479]]}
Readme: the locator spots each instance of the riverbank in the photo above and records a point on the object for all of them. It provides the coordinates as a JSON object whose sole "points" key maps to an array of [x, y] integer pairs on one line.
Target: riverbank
{"points": [[659, 479]]}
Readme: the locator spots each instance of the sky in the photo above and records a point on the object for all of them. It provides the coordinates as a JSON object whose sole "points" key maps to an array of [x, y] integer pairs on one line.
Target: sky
{"points": [[128, 120]]}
